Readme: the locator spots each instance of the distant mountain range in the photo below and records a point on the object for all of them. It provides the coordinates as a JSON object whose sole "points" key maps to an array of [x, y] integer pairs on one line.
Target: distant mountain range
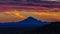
{"points": [[52, 28], [29, 22]]}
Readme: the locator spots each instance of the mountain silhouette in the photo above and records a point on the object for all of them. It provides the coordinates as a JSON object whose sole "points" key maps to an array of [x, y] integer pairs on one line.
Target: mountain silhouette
{"points": [[52, 28], [29, 22], [47, 28]]}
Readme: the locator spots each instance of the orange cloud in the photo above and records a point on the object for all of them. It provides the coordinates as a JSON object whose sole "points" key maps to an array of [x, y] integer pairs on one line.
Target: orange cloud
{"points": [[15, 14], [19, 15], [48, 16]]}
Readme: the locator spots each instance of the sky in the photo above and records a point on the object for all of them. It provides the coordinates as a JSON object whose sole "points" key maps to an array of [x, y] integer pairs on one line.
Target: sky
{"points": [[30, 3], [15, 10]]}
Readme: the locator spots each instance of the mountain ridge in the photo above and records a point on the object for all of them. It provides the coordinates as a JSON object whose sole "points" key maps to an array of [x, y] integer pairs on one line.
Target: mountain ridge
{"points": [[29, 22]]}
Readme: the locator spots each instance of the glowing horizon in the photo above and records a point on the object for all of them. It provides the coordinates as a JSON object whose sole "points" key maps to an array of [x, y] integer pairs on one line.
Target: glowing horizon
{"points": [[15, 16]]}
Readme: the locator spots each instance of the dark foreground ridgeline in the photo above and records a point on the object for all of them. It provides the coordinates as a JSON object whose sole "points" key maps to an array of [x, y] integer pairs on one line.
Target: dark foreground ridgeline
{"points": [[29, 22], [25, 27], [47, 29]]}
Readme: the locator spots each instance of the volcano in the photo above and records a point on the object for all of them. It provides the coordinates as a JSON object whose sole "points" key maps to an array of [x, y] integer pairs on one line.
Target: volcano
{"points": [[29, 22], [43, 30]]}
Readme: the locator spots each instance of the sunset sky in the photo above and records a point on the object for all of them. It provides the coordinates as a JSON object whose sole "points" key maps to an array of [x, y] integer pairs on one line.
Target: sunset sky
{"points": [[12, 11]]}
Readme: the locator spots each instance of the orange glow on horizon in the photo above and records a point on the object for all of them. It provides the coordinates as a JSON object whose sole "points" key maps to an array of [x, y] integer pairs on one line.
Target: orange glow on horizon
{"points": [[15, 14], [23, 14], [18, 15]]}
